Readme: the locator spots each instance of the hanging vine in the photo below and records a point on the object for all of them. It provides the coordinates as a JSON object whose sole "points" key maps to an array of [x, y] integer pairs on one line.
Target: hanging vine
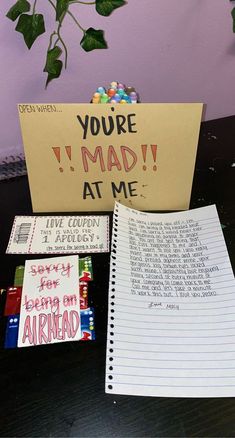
{"points": [[233, 16], [31, 25]]}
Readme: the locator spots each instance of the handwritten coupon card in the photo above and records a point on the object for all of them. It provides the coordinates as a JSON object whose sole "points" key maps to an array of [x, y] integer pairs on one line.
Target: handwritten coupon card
{"points": [[171, 321], [59, 235], [50, 310]]}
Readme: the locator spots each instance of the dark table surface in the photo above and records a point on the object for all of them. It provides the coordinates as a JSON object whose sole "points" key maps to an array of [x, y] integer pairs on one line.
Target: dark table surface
{"points": [[58, 390]]}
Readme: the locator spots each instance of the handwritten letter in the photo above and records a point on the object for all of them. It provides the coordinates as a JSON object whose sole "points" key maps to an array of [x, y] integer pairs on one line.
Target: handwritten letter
{"points": [[171, 321], [50, 310]]}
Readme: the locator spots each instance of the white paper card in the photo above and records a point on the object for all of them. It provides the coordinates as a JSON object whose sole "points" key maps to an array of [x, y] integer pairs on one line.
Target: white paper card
{"points": [[59, 235], [171, 319], [50, 306]]}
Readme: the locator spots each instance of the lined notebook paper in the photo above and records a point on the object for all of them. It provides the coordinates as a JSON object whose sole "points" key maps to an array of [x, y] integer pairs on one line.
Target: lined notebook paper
{"points": [[171, 318]]}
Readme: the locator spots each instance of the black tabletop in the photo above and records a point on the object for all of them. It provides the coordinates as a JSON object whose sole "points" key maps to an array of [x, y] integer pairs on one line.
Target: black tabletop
{"points": [[58, 390]]}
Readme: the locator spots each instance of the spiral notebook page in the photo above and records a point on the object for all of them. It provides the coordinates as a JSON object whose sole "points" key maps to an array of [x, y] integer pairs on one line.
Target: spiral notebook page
{"points": [[171, 318]]}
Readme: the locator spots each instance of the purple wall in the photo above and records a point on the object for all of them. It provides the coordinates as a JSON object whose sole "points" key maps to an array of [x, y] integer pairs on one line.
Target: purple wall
{"points": [[170, 51]]}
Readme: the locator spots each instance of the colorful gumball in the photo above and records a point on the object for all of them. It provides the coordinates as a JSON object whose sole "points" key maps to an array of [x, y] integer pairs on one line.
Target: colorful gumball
{"points": [[121, 87], [128, 90], [111, 92], [117, 98], [121, 92], [114, 84], [104, 98], [101, 90], [133, 95], [127, 98], [96, 98]]}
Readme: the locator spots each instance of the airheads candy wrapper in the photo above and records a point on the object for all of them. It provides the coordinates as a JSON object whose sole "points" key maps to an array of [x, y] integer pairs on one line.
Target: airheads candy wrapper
{"points": [[13, 300], [19, 276], [12, 329], [83, 289], [88, 324], [85, 271]]}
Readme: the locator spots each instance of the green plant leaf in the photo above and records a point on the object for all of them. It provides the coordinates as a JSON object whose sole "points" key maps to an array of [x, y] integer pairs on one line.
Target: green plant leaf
{"points": [[53, 65], [31, 26], [106, 7], [93, 39], [233, 15], [61, 8], [18, 8]]}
